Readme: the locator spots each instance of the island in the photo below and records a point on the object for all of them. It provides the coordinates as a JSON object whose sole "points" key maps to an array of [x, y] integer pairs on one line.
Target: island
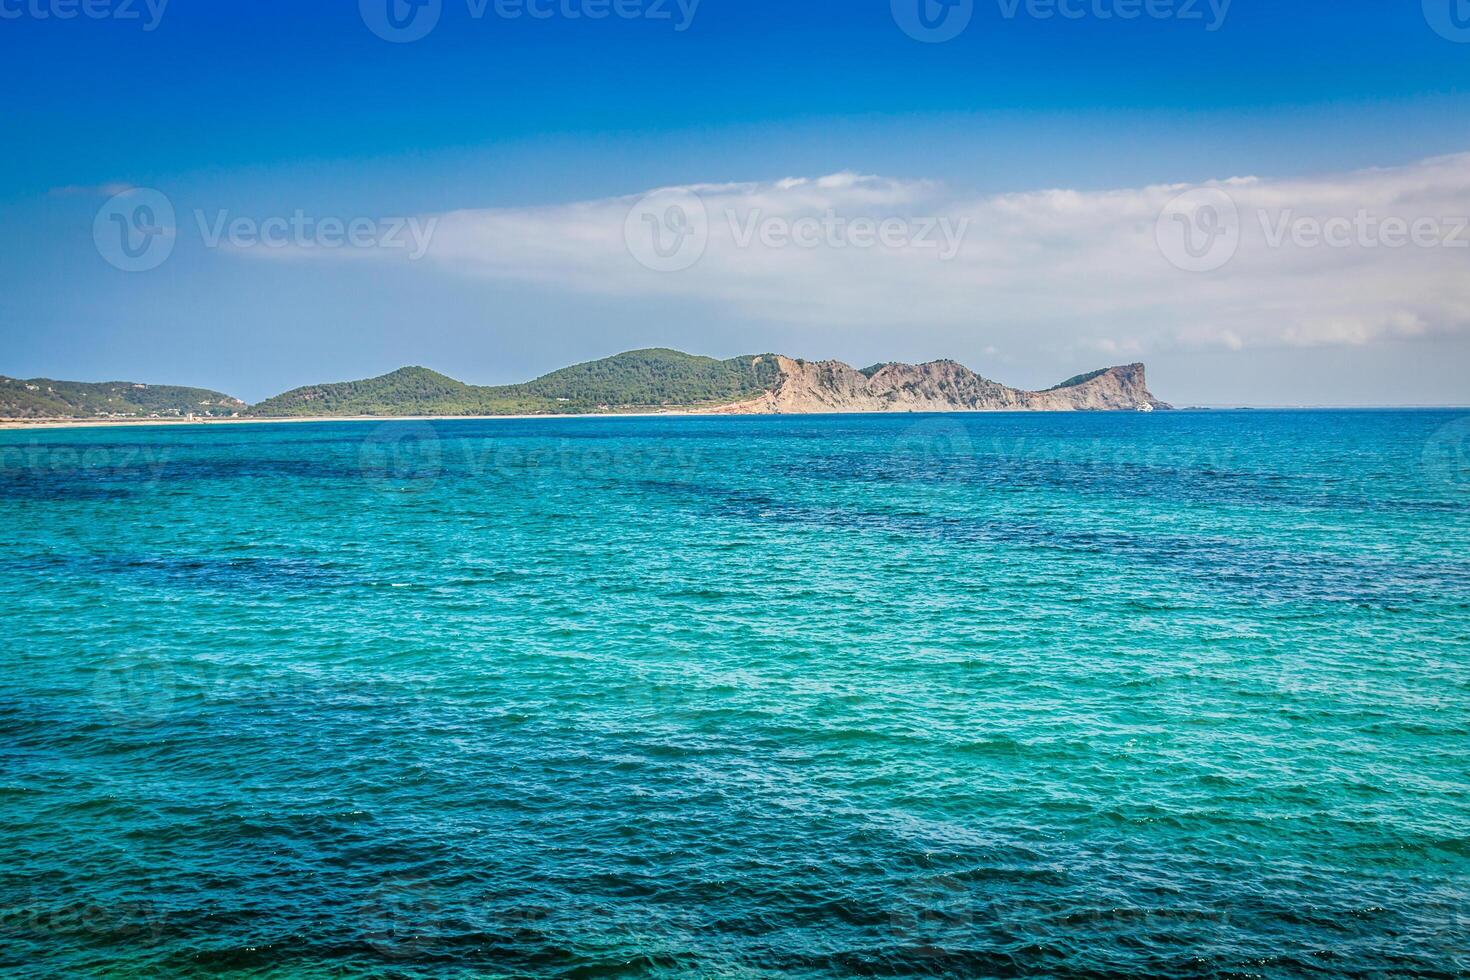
{"points": [[656, 381]]}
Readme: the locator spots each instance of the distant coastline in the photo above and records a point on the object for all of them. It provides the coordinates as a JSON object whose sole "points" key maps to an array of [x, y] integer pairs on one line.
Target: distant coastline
{"points": [[131, 423], [644, 382], [12, 425]]}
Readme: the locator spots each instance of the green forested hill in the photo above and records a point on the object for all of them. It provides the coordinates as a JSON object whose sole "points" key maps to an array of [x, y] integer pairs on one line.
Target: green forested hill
{"points": [[641, 380], [645, 379], [651, 379], [409, 391], [45, 398]]}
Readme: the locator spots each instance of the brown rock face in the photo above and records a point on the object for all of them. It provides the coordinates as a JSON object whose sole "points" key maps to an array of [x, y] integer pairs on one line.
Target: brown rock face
{"points": [[810, 387]]}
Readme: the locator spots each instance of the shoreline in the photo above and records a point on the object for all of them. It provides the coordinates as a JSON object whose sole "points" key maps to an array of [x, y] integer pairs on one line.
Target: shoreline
{"points": [[18, 424]]}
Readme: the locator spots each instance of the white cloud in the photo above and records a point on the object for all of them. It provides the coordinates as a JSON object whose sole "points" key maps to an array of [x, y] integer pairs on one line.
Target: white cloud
{"points": [[1051, 268]]}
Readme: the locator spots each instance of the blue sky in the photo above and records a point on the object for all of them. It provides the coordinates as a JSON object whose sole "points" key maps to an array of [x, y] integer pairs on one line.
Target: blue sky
{"points": [[270, 108]]}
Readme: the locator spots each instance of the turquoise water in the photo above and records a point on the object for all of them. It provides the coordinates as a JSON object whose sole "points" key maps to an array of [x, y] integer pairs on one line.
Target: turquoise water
{"points": [[1071, 695]]}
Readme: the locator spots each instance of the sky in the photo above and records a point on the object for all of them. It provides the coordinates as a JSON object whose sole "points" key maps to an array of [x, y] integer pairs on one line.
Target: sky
{"points": [[1267, 202]]}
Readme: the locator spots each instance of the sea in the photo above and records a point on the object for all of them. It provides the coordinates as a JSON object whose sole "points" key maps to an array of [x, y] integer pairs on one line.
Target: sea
{"points": [[1070, 695]]}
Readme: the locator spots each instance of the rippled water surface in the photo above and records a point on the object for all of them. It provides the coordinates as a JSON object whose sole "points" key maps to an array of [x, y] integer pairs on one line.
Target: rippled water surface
{"points": [[1174, 695]]}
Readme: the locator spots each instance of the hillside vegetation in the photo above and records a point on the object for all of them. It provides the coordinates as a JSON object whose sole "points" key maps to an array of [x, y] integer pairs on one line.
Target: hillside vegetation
{"points": [[45, 398], [1080, 379], [645, 379]]}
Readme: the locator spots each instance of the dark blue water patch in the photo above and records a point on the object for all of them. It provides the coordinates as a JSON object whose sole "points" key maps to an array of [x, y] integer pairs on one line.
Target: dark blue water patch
{"points": [[375, 463], [1244, 569], [60, 479], [872, 450], [61, 487], [802, 922], [1174, 484], [183, 571], [213, 469]]}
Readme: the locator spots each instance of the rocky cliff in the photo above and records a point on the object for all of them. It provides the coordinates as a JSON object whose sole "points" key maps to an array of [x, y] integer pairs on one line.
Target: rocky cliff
{"points": [[805, 387]]}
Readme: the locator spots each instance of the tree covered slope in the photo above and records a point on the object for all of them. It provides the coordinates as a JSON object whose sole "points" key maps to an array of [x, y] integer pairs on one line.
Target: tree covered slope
{"points": [[45, 398], [645, 379]]}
